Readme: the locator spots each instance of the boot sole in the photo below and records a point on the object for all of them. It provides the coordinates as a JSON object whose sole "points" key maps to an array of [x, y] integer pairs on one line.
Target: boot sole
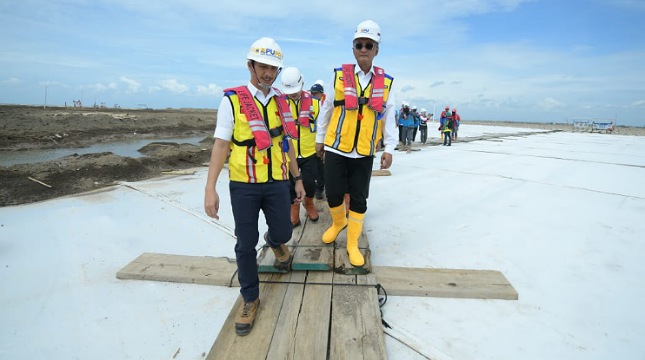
{"points": [[243, 332]]}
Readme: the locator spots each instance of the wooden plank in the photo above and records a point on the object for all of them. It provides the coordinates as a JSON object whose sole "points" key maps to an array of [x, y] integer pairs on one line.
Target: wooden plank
{"points": [[266, 258], [312, 253], [371, 311], [447, 283], [283, 342], [381, 172], [181, 268], [256, 344], [312, 334], [354, 326]]}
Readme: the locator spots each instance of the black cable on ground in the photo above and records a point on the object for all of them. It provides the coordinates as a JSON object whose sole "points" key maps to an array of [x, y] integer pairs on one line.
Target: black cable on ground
{"points": [[380, 291]]}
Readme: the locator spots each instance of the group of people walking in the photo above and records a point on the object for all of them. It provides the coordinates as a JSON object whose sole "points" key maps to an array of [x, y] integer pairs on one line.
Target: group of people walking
{"points": [[276, 142], [449, 125], [410, 121]]}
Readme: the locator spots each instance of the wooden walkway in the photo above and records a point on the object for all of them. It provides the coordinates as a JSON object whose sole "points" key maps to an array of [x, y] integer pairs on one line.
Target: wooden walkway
{"points": [[323, 309]]}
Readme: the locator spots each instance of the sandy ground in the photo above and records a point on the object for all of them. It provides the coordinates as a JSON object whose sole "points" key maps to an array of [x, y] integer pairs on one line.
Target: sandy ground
{"points": [[28, 127]]}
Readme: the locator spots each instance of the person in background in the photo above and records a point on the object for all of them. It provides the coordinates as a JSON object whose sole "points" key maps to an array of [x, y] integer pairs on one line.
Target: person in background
{"points": [[423, 125], [318, 92], [358, 113], [441, 120], [415, 128], [406, 121], [250, 128], [446, 127], [457, 122], [304, 109], [397, 114]]}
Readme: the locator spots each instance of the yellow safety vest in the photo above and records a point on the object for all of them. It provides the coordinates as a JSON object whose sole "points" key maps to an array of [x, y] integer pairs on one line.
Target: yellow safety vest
{"points": [[360, 128], [305, 145], [248, 164]]}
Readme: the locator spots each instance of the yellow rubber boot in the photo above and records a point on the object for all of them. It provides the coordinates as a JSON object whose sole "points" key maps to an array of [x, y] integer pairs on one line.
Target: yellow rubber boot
{"points": [[354, 228], [339, 223]]}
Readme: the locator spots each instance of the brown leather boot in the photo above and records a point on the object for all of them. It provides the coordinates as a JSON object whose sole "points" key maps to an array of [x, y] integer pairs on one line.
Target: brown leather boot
{"points": [[282, 254], [246, 317], [312, 213], [295, 215]]}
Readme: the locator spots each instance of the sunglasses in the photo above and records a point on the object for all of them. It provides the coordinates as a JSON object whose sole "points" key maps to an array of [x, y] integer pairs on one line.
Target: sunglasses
{"points": [[368, 46]]}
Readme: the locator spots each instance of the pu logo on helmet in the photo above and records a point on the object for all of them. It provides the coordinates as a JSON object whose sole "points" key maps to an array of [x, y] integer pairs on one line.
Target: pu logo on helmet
{"points": [[268, 52], [365, 30]]}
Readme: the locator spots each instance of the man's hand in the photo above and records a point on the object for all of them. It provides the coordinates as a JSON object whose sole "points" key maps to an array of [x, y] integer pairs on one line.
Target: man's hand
{"points": [[386, 160], [211, 203], [300, 192], [320, 150]]}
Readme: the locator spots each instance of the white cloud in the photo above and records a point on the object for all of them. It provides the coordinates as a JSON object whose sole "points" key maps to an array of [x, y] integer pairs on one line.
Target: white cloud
{"points": [[209, 90], [552, 104], [406, 88], [103, 87], [133, 85], [11, 81], [174, 86], [639, 103]]}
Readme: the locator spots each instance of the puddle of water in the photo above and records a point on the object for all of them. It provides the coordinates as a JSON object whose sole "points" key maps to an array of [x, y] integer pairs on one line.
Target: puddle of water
{"points": [[123, 148]]}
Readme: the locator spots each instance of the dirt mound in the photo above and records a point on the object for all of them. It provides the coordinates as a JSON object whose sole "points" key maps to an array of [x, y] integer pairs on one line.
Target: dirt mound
{"points": [[24, 127]]}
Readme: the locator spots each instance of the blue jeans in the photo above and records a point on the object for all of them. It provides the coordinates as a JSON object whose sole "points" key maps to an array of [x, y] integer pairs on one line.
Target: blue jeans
{"points": [[246, 202]]}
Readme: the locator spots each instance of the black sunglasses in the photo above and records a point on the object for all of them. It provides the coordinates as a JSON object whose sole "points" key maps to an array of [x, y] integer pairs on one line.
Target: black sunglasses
{"points": [[368, 46]]}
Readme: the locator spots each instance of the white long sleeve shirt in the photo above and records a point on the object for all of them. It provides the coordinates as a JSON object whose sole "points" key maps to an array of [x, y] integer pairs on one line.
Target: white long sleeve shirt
{"points": [[390, 138]]}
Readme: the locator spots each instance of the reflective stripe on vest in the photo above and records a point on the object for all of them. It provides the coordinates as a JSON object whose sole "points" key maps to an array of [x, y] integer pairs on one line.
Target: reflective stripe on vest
{"points": [[288, 123], [255, 119], [305, 109]]}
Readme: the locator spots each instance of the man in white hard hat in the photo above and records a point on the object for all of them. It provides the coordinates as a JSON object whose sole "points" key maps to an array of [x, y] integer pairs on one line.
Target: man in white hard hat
{"points": [[357, 114], [423, 125], [305, 109], [261, 151]]}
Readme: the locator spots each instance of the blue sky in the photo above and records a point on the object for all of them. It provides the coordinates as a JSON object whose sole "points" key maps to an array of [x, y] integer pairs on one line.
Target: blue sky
{"points": [[491, 59]]}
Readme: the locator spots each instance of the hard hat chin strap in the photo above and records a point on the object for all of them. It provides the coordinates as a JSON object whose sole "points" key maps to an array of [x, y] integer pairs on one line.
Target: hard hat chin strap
{"points": [[263, 86]]}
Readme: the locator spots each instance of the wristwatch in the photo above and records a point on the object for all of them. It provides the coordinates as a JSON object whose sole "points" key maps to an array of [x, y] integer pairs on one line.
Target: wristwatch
{"points": [[296, 178]]}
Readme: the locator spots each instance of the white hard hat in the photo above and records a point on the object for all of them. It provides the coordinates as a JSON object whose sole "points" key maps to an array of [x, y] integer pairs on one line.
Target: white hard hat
{"points": [[405, 104], [368, 29], [414, 107], [292, 81], [266, 51], [423, 110]]}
